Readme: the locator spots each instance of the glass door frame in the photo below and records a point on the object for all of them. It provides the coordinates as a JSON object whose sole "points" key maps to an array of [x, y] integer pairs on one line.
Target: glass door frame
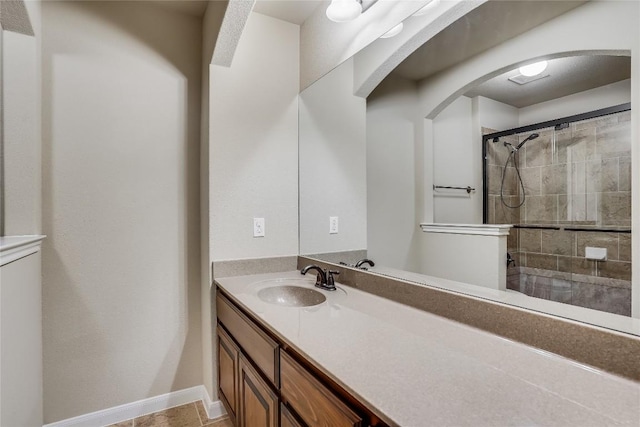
{"points": [[550, 123]]}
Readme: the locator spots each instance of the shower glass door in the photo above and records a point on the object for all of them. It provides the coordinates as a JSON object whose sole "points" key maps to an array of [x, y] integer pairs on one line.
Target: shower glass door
{"points": [[567, 191]]}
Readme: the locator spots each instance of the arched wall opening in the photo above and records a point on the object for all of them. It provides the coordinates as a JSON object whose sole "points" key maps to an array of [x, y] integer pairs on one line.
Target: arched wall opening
{"points": [[595, 28]]}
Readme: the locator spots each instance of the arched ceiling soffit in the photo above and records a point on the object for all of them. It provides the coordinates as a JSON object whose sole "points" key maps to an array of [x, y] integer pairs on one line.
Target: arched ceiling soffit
{"points": [[582, 32], [234, 21], [379, 59], [433, 112], [459, 32]]}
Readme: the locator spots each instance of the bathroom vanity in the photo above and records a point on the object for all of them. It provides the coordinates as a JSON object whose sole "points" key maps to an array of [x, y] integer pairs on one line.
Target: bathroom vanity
{"points": [[264, 382], [357, 359]]}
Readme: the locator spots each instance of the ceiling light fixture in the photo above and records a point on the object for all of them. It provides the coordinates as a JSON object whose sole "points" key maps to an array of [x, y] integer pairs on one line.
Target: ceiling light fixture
{"points": [[344, 10], [426, 8], [533, 69], [393, 32]]}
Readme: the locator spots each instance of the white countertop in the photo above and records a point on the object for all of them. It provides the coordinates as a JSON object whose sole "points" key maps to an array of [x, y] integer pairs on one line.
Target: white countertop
{"points": [[417, 369]]}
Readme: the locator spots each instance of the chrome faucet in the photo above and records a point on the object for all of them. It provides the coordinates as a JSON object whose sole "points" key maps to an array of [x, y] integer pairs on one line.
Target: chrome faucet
{"points": [[324, 278]]}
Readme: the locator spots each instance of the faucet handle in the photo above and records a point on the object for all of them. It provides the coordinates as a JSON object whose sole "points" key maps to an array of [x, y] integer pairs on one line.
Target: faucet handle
{"points": [[331, 283]]}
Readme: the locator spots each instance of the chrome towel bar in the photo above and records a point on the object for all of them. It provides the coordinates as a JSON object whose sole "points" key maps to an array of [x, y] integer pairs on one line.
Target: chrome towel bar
{"points": [[467, 188]]}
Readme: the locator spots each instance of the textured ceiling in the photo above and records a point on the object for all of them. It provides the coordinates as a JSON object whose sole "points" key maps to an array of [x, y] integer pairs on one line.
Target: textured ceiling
{"points": [[14, 17], [566, 76], [190, 7], [294, 11], [485, 27]]}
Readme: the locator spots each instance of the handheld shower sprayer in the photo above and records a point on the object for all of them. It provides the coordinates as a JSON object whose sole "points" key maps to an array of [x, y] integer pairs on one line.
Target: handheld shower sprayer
{"points": [[519, 146], [529, 138], [512, 156]]}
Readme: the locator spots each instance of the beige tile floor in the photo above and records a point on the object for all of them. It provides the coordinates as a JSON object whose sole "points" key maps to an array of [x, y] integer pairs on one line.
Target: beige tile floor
{"points": [[189, 415]]}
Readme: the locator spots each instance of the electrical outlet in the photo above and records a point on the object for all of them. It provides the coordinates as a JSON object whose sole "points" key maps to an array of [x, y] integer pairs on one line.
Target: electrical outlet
{"points": [[258, 227], [333, 225]]}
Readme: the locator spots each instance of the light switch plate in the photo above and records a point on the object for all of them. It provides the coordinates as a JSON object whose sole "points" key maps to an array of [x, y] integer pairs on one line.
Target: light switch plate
{"points": [[258, 227], [333, 225]]}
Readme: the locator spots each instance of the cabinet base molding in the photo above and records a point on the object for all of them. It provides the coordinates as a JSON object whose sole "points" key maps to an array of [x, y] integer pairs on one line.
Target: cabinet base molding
{"points": [[142, 407]]}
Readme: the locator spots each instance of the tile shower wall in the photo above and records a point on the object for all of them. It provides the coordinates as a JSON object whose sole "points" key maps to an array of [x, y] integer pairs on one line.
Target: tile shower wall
{"points": [[575, 177], [580, 175], [550, 264]]}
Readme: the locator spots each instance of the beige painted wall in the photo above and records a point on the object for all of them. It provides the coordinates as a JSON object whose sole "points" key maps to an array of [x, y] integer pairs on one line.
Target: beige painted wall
{"points": [[121, 118], [333, 168], [2, 179], [590, 100], [466, 258], [392, 226], [21, 134], [211, 22], [453, 160], [254, 144]]}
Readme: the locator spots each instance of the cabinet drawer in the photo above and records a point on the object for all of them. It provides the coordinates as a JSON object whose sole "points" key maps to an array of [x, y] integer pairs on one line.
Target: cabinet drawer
{"points": [[312, 401], [255, 343]]}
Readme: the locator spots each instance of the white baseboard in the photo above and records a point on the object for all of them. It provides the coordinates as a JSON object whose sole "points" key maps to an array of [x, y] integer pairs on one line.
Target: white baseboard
{"points": [[142, 407], [214, 409]]}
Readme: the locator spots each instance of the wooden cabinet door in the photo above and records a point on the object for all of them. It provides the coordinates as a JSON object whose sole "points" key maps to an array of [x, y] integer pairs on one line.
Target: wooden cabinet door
{"points": [[258, 403], [228, 368], [287, 419]]}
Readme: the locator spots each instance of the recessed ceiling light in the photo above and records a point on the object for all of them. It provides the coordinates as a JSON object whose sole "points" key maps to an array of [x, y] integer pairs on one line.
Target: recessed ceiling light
{"points": [[533, 69], [521, 79], [393, 32]]}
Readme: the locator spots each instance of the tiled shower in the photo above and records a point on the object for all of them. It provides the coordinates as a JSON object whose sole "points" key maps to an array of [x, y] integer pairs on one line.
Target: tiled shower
{"points": [[576, 177]]}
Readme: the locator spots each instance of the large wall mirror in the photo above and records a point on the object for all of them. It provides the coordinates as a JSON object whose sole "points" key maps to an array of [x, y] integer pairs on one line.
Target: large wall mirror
{"points": [[458, 133]]}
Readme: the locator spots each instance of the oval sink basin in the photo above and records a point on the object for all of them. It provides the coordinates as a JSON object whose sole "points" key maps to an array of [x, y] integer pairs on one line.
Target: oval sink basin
{"points": [[291, 296]]}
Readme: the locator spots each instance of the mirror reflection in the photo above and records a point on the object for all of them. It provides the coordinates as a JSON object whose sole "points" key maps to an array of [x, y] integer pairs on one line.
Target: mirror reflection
{"points": [[466, 171]]}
